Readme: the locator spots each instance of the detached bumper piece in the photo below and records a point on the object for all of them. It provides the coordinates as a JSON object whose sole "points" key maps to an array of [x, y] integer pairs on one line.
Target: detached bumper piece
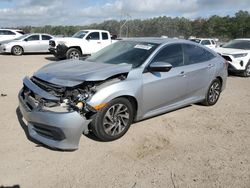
{"points": [[61, 130]]}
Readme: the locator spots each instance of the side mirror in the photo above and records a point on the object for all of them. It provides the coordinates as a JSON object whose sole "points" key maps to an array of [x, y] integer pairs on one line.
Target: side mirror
{"points": [[88, 37], [25, 40], [160, 67], [221, 45]]}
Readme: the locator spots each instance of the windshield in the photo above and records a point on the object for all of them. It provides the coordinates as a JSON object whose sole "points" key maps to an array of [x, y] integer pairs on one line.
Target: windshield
{"points": [[195, 40], [21, 37], [130, 52], [80, 34], [238, 44]]}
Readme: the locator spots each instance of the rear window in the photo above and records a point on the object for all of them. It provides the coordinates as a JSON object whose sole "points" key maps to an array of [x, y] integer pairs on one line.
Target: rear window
{"points": [[195, 40], [105, 36], [195, 54], [46, 37], [21, 32], [6, 32]]}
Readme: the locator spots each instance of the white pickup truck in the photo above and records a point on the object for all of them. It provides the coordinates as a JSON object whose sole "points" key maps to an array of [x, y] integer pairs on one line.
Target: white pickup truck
{"points": [[82, 43]]}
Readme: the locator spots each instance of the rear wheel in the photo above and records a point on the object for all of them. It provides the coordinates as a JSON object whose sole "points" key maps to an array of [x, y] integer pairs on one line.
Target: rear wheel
{"points": [[17, 50], [114, 120], [246, 72], [73, 53], [213, 93]]}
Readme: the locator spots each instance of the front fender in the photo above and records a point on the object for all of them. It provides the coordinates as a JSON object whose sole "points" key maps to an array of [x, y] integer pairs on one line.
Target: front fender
{"points": [[130, 88]]}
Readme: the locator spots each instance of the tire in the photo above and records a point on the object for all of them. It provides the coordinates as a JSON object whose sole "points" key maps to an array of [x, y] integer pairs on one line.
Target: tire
{"points": [[73, 53], [246, 72], [17, 50], [107, 126], [213, 93]]}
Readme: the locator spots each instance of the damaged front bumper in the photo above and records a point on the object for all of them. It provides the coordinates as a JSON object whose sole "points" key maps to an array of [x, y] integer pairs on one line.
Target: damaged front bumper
{"points": [[60, 129]]}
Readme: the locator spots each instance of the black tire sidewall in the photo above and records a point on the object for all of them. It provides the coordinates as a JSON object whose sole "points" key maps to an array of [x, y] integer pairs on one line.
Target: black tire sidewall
{"points": [[97, 123], [245, 71]]}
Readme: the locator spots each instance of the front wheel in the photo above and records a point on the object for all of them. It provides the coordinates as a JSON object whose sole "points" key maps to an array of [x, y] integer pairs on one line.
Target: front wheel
{"points": [[114, 120], [17, 50], [213, 93], [73, 53], [246, 72]]}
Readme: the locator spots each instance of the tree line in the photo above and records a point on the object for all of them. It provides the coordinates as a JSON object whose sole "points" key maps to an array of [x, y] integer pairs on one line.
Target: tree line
{"points": [[224, 28]]}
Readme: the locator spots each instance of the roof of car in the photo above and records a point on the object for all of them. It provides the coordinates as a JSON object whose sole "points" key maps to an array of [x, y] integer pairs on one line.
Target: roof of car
{"points": [[243, 39], [11, 29], [202, 39], [157, 40]]}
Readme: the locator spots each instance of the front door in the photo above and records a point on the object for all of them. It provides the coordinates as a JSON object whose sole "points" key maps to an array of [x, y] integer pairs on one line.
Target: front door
{"points": [[94, 43], [32, 43], [163, 89]]}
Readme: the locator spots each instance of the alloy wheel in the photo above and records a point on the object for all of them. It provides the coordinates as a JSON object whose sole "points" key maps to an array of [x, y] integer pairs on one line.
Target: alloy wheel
{"points": [[214, 92], [74, 55], [17, 50], [116, 119]]}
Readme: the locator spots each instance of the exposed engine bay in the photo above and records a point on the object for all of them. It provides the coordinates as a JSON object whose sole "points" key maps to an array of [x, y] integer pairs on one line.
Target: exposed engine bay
{"points": [[73, 98]]}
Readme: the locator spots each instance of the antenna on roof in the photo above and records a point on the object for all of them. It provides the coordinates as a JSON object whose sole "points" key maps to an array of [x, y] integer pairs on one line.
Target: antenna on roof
{"points": [[125, 17]]}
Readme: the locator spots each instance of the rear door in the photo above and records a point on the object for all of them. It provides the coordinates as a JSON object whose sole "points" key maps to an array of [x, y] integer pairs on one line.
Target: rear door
{"points": [[161, 89], [199, 69], [32, 43], [106, 40], [44, 47]]}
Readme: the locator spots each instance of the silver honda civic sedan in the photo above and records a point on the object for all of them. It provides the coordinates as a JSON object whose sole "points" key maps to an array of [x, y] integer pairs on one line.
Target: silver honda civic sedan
{"points": [[127, 81], [28, 43]]}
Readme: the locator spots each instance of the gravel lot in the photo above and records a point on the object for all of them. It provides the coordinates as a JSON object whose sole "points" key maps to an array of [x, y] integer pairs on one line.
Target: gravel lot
{"points": [[195, 146]]}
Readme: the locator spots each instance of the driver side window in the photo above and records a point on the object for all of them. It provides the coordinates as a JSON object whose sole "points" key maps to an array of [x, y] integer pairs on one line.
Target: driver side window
{"points": [[171, 54], [94, 36], [33, 38]]}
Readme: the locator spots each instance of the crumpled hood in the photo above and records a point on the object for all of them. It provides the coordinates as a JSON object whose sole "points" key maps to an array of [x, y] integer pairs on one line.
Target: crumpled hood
{"points": [[230, 51], [70, 73]]}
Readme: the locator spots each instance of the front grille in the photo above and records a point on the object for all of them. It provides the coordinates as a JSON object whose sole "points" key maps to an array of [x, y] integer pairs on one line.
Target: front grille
{"points": [[227, 58], [52, 43]]}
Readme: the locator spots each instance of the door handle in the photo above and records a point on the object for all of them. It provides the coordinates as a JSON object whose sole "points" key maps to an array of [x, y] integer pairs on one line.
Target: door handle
{"points": [[182, 74], [98, 42], [210, 65]]}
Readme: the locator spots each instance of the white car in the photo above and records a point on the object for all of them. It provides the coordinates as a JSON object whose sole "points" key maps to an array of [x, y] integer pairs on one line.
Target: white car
{"points": [[82, 43], [237, 53], [210, 43], [8, 34], [29, 43]]}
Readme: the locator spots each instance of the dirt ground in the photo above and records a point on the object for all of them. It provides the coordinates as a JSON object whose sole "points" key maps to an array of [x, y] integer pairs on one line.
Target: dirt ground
{"points": [[195, 146]]}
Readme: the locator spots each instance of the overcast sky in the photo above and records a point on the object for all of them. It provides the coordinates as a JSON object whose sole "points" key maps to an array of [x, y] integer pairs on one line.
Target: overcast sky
{"points": [[15, 13]]}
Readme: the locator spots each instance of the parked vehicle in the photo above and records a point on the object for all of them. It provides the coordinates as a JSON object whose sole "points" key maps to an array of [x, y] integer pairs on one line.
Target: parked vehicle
{"points": [[127, 81], [237, 53], [9, 34], [210, 43], [82, 43], [29, 43]]}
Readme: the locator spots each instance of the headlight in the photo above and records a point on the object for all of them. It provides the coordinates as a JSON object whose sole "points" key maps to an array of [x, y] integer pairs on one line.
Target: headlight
{"points": [[239, 55], [62, 42]]}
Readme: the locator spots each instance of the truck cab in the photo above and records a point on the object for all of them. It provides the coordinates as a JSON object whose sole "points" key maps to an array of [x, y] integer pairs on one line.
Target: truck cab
{"points": [[82, 43]]}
